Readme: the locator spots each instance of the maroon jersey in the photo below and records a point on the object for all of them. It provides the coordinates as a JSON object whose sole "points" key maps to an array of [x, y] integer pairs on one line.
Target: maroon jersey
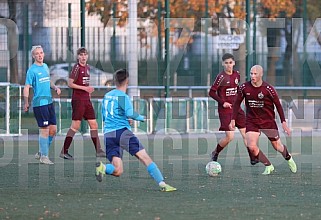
{"points": [[224, 89], [80, 75], [260, 102]]}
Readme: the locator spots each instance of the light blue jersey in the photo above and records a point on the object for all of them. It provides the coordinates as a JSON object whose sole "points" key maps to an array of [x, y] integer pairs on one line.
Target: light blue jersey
{"points": [[116, 110], [38, 77]]}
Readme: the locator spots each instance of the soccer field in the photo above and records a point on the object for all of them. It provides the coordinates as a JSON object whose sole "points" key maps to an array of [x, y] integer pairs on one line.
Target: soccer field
{"points": [[69, 190]]}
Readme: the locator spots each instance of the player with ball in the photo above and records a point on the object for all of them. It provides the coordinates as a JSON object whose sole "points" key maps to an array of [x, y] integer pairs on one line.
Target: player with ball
{"points": [[260, 100]]}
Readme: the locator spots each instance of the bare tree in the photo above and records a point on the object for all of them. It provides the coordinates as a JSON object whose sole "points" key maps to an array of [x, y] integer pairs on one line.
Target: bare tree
{"points": [[12, 43]]}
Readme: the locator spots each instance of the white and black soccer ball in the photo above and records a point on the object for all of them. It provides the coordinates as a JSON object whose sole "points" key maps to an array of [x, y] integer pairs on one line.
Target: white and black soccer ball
{"points": [[213, 168]]}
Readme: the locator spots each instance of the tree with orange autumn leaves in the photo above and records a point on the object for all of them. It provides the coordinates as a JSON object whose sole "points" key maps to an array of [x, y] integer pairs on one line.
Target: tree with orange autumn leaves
{"points": [[178, 9], [216, 9], [188, 8], [195, 9], [273, 8]]}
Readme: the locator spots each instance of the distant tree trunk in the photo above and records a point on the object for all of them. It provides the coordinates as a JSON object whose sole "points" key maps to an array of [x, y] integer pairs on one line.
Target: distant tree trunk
{"points": [[13, 53], [273, 41], [317, 34], [296, 69], [240, 54], [288, 77], [241, 59]]}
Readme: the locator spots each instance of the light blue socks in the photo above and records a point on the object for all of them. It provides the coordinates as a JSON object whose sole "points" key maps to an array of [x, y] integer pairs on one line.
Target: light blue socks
{"points": [[50, 140], [43, 145], [109, 169], [155, 173]]}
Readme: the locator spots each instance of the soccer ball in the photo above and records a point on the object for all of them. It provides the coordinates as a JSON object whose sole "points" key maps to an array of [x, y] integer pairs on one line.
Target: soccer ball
{"points": [[213, 168]]}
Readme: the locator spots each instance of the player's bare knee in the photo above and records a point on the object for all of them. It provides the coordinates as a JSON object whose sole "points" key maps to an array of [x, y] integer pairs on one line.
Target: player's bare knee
{"points": [[277, 145], [229, 138], [94, 127], [74, 128], [53, 133], [144, 157], [52, 130], [252, 147], [93, 124], [75, 125], [118, 172]]}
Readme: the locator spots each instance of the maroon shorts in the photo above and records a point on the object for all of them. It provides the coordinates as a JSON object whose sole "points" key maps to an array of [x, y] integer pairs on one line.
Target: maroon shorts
{"points": [[225, 119], [269, 128], [82, 109]]}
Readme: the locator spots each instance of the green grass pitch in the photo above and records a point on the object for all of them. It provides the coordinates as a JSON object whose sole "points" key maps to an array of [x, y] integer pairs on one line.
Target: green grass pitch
{"points": [[69, 190]]}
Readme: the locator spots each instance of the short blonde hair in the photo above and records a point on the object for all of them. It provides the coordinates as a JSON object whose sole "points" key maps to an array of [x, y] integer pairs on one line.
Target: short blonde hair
{"points": [[35, 47], [258, 68]]}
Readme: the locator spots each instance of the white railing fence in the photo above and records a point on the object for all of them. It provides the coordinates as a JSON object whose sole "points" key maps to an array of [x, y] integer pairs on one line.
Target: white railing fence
{"points": [[167, 115], [10, 109]]}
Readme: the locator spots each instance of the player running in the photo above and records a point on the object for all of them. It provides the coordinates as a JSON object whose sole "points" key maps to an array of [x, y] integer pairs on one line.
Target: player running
{"points": [[116, 110], [260, 99], [224, 90]]}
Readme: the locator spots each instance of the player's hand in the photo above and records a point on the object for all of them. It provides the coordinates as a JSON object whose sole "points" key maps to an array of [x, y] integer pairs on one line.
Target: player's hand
{"points": [[26, 107], [89, 89], [231, 126], [227, 105], [58, 91], [286, 128]]}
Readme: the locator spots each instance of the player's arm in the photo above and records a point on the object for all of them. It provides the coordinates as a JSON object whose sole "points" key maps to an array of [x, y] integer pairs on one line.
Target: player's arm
{"points": [[130, 113], [29, 79], [279, 108], [73, 85], [286, 128], [236, 106], [278, 105], [54, 87], [104, 109], [26, 97], [213, 91]]}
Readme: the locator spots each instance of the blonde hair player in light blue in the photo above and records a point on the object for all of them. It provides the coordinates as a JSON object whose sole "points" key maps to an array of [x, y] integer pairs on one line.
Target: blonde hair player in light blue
{"points": [[38, 77]]}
